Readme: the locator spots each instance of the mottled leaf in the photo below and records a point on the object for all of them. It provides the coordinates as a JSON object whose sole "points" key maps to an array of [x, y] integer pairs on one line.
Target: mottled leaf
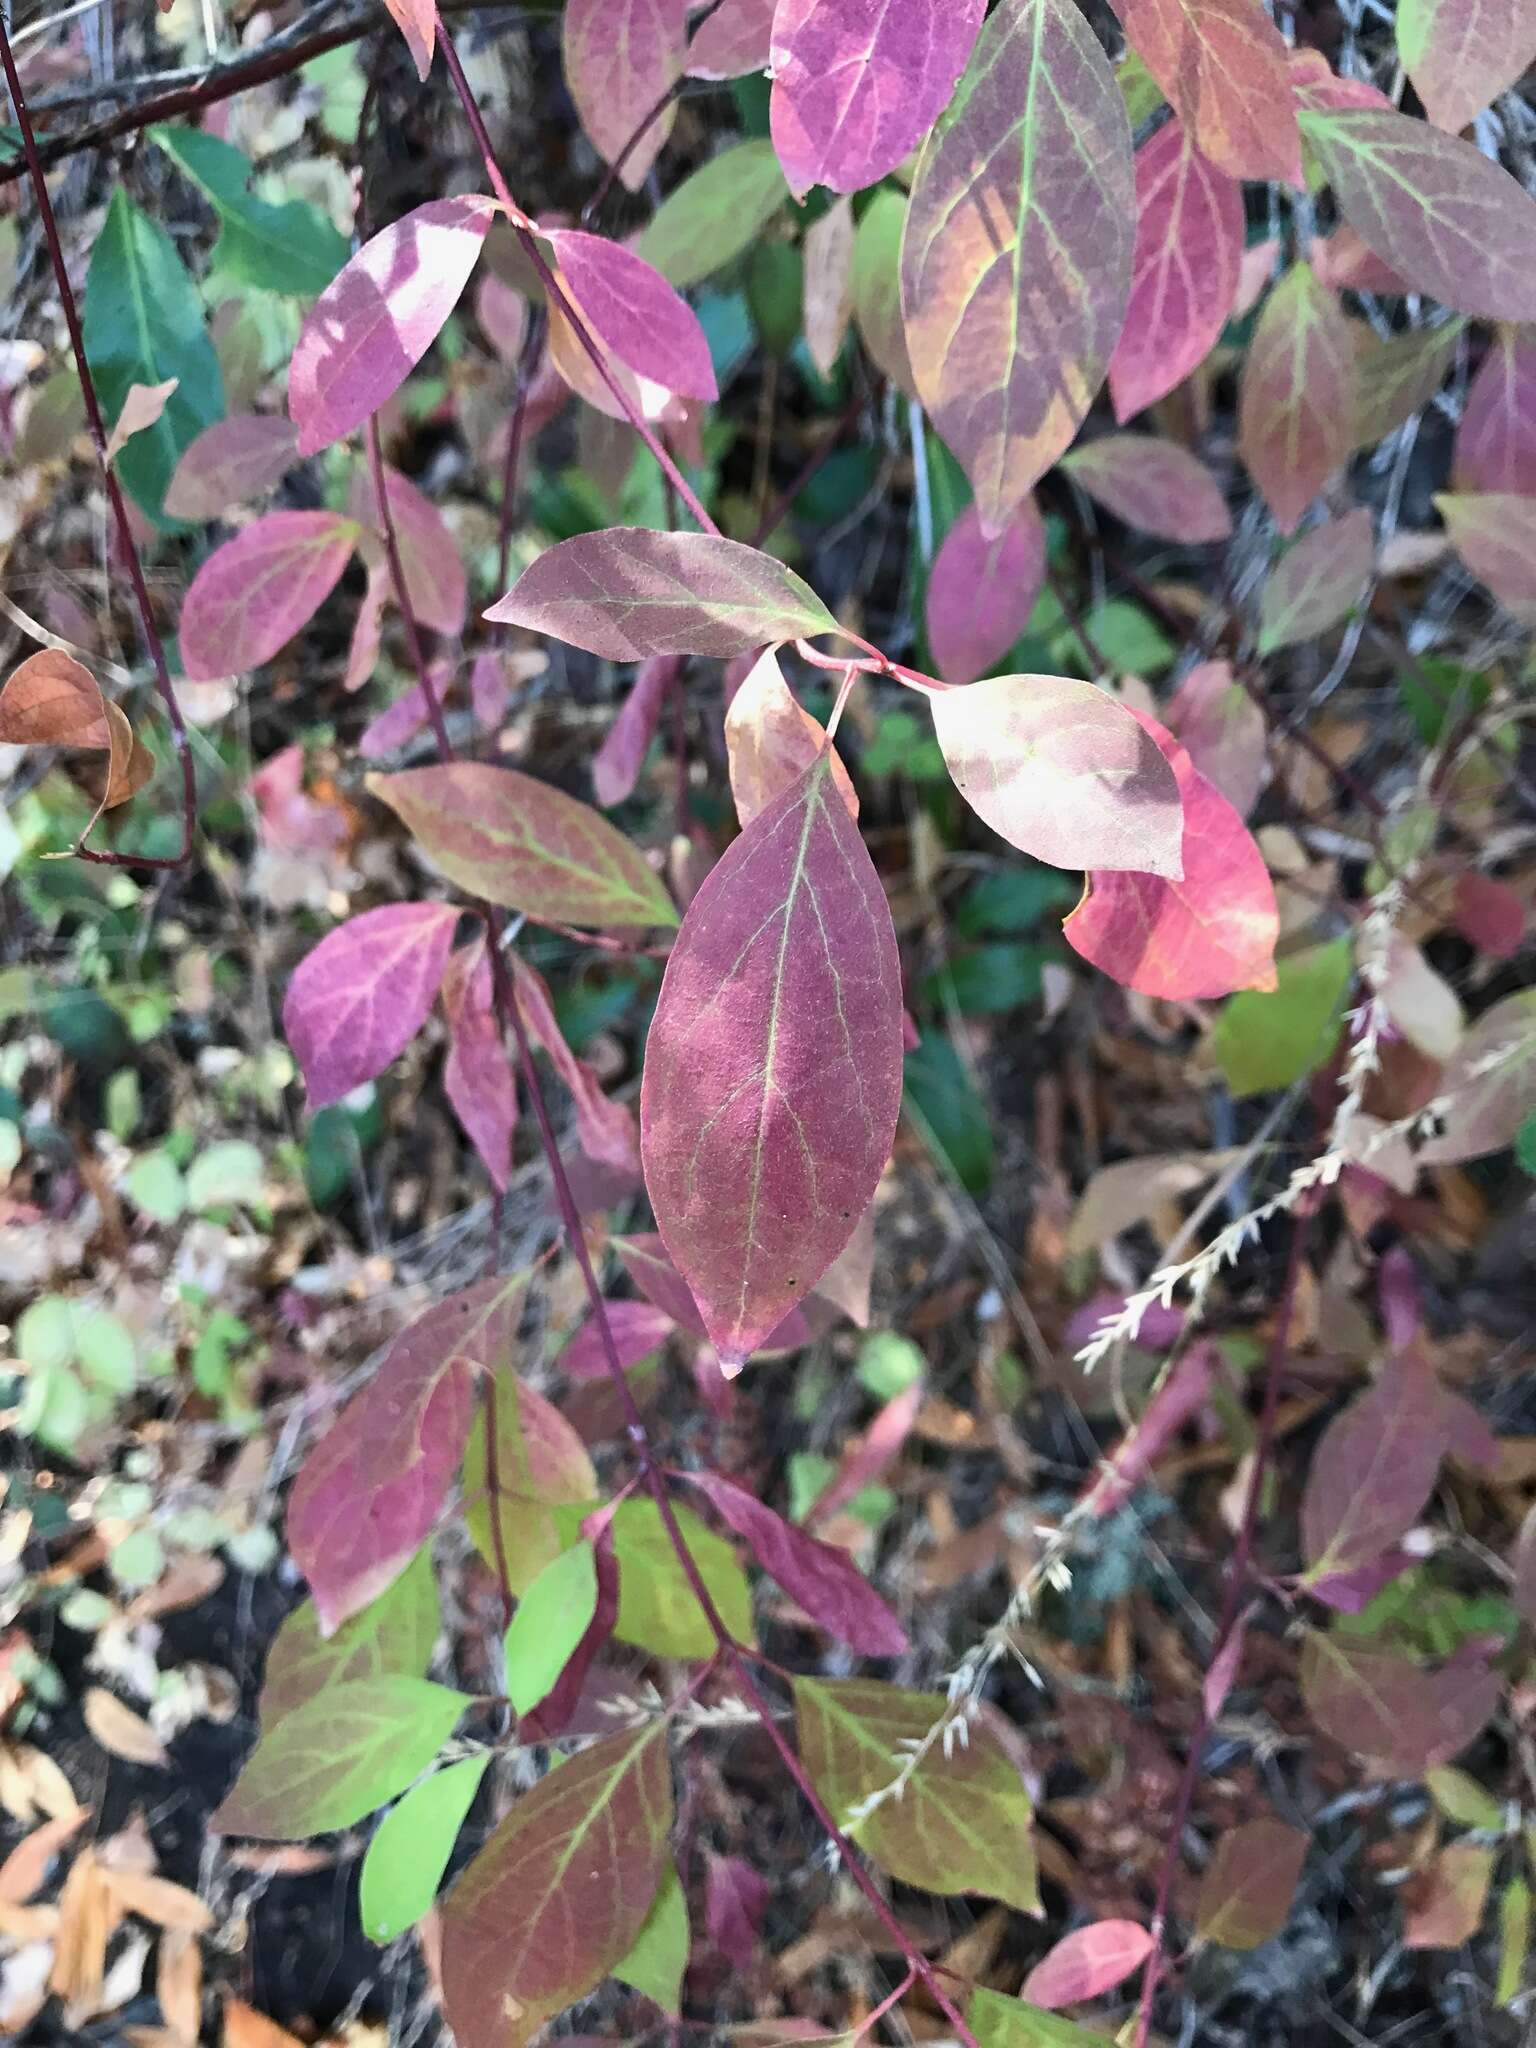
{"points": [[1317, 582], [1222, 64], [409, 1852], [1153, 485], [392, 1635], [332, 1761], [773, 1066], [1401, 1715], [541, 1466], [1494, 533], [715, 214], [1461, 54], [1433, 208], [857, 84], [1264, 1041], [254, 593], [369, 1492], [1184, 274], [825, 1581], [627, 593], [1245, 1895], [1215, 718], [358, 998], [1496, 437], [525, 845], [635, 313], [771, 741], [828, 286], [230, 463], [963, 1822], [1016, 266], [370, 328], [1396, 378], [1491, 1080], [1212, 931], [733, 40], [877, 287], [478, 1076], [435, 582], [1086, 1963], [982, 591], [559, 1892], [1064, 772], [1296, 400], [621, 58]]}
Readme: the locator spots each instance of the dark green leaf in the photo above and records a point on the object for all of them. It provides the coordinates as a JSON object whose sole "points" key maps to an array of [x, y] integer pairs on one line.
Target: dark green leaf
{"points": [[947, 1110], [988, 979], [1009, 904], [289, 247]]}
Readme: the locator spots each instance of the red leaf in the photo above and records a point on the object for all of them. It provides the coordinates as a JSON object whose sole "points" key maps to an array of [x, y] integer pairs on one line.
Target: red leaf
{"points": [[1317, 582], [1064, 772], [358, 999], [1221, 1674], [735, 1900], [1215, 718], [559, 1892], [1222, 64], [825, 1581], [857, 84], [1189, 245], [1490, 914], [430, 562], [477, 1074], [627, 593], [617, 763], [606, 1129], [1020, 226], [635, 313], [1086, 1963], [733, 40], [371, 1489], [773, 1067], [870, 1454], [981, 592], [771, 740], [229, 463], [1152, 485], [1296, 400], [1245, 1897], [1496, 437], [253, 594], [638, 1329], [1461, 54], [621, 58], [373, 324]]}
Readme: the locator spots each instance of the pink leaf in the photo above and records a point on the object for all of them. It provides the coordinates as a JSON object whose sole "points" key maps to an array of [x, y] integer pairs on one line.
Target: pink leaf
{"points": [[430, 562], [230, 463], [735, 1900], [617, 763], [398, 722], [825, 1581], [1019, 232], [1317, 582], [869, 1455], [773, 1068], [858, 83], [621, 57], [503, 316], [360, 997], [1177, 1401], [1296, 399], [1152, 485], [638, 1329], [1184, 277], [1496, 437], [1086, 1963], [628, 593], [1490, 914], [733, 40], [371, 1489], [370, 328], [1245, 1897], [253, 594], [981, 592], [606, 1129], [1461, 54], [771, 740], [477, 1074], [1222, 64], [1216, 719], [635, 313], [417, 22], [1225, 1665], [1064, 772]]}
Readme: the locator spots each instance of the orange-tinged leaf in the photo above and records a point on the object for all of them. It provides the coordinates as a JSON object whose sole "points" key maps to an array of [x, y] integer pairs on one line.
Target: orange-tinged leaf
{"points": [[828, 284], [1016, 264], [120, 1730], [1153, 485], [771, 740], [560, 1891], [1461, 54], [773, 1066], [1204, 935], [981, 591], [1184, 273], [1437, 211], [253, 594], [1494, 532], [52, 700], [1317, 582], [1087, 1962], [525, 845], [1296, 403], [24, 1869], [1443, 1903], [1496, 436], [1222, 64], [1063, 771], [1245, 1896], [417, 22], [621, 58]]}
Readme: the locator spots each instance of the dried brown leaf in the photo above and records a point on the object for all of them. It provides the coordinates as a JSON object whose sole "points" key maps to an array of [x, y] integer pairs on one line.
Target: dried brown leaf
{"points": [[120, 1730], [24, 1870]]}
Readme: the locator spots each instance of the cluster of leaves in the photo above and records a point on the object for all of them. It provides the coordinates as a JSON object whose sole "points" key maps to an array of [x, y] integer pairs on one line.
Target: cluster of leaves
{"points": [[1036, 253]]}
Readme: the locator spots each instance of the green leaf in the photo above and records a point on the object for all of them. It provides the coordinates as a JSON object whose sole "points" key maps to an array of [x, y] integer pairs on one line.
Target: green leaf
{"points": [[657, 1609], [1013, 902], [889, 1364], [410, 1849], [225, 1174], [1525, 1144], [659, 1956], [962, 1823], [1461, 1799], [984, 980], [285, 248], [339, 1757], [392, 1636], [948, 1112], [999, 2022], [144, 325], [715, 215], [1269, 1041], [155, 1185], [551, 1619], [1124, 634]]}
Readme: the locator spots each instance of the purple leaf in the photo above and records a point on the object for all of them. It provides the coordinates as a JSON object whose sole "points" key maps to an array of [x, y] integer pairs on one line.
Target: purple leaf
{"points": [[230, 463], [254, 593], [617, 763], [430, 562], [1402, 1716], [606, 1129], [1496, 437], [477, 1074], [1154, 486], [1317, 582], [370, 328], [1221, 1675], [635, 313], [824, 1580], [371, 1489], [649, 1265], [1177, 1401], [638, 1328], [857, 84], [1214, 717], [621, 58], [358, 999], [1086, 1963], [1374, 1470], [1352, 1592], [773, 1068], [735, 1900], [733, 40], [981, 592]]}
